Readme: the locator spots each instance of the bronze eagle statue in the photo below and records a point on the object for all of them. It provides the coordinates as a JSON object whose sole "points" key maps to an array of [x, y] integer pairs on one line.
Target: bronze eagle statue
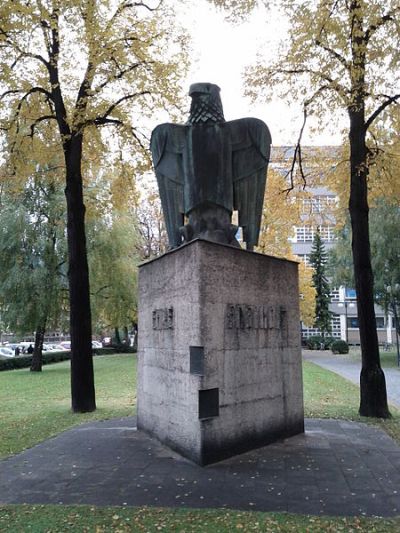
{"points": [[207, 168]]}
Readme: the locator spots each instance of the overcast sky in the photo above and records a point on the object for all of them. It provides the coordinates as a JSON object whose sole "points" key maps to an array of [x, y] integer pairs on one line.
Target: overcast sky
{"points": [[222, 50]]}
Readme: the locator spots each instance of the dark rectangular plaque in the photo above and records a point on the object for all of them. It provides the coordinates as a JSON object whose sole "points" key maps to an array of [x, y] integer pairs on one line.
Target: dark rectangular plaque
{"points": [[196, 360], [208, 403]]}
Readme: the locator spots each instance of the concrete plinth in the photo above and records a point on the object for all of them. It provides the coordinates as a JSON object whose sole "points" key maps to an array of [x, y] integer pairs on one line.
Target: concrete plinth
{"points": [[219, 350]]}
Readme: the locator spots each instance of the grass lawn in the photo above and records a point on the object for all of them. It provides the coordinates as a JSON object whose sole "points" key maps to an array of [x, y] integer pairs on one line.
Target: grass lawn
{"points": [[36, 406], [388, 359], [327, 395], [58, 519]]}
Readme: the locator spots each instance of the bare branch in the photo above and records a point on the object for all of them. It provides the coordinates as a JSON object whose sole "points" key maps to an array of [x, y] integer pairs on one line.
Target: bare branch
{"points": [[333, 53], [297, 156], [119, 101], [117, 76], [143, 4], [101, 121], [389, 16], [335, 85], [7, 93], [31, 91], [390, 100], [128, 4], [38, 121], [134, 134]]}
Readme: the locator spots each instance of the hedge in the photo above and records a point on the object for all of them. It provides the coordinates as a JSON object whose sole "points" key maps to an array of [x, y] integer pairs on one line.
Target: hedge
{"points": [[317, 342], [340, 347], [24, 361]]}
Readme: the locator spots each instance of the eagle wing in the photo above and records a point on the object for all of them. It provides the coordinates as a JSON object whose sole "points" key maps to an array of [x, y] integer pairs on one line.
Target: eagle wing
{"points": [[251, 147], [167, 143]]}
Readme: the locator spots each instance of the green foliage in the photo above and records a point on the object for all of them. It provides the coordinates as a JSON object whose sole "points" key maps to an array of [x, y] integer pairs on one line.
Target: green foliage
{"points": [[318, 259], [113, 260], [340, 260], [95, 69], [385, 249], [24, 361], [33, 277], [340, 346], [385, 254], [318, 342]]}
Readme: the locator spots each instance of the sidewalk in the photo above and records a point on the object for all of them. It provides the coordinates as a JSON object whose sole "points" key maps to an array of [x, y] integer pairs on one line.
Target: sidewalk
{"points": [[347, 367]]}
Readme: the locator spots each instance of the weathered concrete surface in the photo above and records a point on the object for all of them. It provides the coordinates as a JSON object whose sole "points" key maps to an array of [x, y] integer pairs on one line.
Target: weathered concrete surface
{"points": [[219, 350]]}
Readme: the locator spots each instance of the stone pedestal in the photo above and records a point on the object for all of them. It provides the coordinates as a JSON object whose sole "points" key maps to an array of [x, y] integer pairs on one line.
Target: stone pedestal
{"points": [[219, 350]]}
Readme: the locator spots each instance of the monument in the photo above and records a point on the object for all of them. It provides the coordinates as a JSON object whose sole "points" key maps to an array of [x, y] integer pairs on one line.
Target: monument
{"points": [[219, 354]]}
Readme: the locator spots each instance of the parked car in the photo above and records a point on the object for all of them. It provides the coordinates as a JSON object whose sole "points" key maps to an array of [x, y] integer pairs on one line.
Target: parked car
{"points": [[66, 345], [60, 348], [50, 347], [107, 341], [6, 352], [96, 344]]}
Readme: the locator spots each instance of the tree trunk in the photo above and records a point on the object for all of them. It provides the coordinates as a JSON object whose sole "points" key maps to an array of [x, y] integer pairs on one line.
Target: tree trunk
{"points": [[126, 336], [117, 337], [37, 359], [373, 400], [135, 339], [82, 377]]}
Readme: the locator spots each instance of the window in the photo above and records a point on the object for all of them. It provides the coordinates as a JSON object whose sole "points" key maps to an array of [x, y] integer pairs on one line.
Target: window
{"points": [[327, 233], [304, 234], [335, 325], [352, 321], [380, 322], [307, 233], [304, 258], [334, 295], [350, 294]]}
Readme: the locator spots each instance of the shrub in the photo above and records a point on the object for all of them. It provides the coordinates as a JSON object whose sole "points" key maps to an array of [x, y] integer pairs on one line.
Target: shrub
{"points": [[317, 342], [24, 361], [339, 346]]}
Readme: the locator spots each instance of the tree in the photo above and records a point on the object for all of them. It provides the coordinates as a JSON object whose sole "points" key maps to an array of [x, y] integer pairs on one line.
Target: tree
{"points": [[345, 62], [385, 246], [71, 68], [154, 238], [113, 260], [281, 213], [33, 277], [318, 258]]}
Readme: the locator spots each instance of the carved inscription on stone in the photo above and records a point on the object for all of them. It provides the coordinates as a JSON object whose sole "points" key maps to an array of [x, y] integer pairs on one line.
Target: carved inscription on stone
{"points": [[163, 318], [246, 317]]}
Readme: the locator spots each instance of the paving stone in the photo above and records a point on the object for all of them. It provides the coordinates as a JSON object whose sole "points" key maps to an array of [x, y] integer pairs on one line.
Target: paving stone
{"points": [[325, 471]]}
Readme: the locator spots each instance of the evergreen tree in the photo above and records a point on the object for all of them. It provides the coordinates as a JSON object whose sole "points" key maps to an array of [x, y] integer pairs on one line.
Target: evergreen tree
{"points": [[318, 258]]}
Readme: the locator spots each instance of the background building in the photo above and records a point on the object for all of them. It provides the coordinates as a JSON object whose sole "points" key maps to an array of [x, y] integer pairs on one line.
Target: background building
{"points": [[317, 213]]}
